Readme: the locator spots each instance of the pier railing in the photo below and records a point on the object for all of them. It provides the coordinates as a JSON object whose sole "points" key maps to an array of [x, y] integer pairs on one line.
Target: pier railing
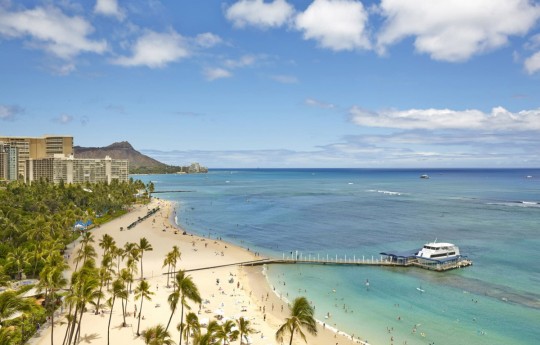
{"points": [[301, 258]]}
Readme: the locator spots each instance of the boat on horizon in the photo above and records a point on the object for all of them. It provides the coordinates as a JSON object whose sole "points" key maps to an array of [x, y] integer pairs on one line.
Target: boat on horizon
{"points": [[424, 176]]}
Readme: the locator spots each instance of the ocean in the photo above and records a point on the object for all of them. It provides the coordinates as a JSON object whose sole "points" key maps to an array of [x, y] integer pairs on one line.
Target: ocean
{"points": [[492, 215]]}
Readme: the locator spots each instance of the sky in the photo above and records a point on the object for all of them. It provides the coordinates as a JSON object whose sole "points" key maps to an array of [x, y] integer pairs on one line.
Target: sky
{"points": [[279, 83]]}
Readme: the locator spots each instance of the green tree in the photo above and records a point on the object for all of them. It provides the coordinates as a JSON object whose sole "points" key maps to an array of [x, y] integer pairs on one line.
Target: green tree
{"points": [[157, 335], [118, 291], [51, 280], [86, 290], [107, 242], [143, 292], [143, 246], [244, 327], [301, 317], [186, 290], [168, 262], [191, 326], [208, 338], [175, 256], [226, 332], [104, 274], [18, 258], [10, 304]]}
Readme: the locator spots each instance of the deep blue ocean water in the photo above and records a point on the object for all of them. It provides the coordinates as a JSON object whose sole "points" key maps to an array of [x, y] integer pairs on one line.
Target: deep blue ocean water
{"points": [[492, 215]]}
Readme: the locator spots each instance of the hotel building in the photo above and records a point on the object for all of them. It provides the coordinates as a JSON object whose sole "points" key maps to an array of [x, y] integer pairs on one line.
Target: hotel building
{"points": [[17, 150], [75, 170]]}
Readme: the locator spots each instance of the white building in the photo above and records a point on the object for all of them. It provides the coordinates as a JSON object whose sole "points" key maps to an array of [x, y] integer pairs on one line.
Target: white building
{"points": [[76, 170]]}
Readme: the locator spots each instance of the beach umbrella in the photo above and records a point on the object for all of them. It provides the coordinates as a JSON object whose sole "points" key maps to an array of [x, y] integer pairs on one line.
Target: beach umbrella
{"points": [[203, 321]]}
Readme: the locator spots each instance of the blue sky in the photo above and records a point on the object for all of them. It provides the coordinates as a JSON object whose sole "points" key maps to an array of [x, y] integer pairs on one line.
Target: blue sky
{"points": [[280, 83]]}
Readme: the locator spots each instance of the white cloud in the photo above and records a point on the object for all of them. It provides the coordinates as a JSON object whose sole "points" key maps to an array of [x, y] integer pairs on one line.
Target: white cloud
{"points": [[335, 24], [455, 30], [9, 112], [259, 13], [109, 8], [499, 119], [216, 73], [532, 64], [318, 104], [63, 119], [156, 50], [64, 69], [207, 40], [284, 79], [244, 61], [51, 30]]}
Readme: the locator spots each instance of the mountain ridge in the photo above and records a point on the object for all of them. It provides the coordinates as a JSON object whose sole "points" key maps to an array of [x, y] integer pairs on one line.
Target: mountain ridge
{"points": [[138, 163], [119, 150]]}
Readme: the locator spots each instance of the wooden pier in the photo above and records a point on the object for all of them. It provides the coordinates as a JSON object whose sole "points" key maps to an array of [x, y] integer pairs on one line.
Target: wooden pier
{"points": [[343, 261], [357, 261]]}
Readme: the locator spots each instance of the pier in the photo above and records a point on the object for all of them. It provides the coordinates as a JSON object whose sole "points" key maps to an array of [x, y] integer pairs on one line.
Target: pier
{"points": [[172, 191], [300, 258], [310, 259]]}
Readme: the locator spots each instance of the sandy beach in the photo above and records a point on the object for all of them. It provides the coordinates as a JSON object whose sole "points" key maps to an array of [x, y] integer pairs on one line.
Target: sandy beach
{"points": [[233, 291]]}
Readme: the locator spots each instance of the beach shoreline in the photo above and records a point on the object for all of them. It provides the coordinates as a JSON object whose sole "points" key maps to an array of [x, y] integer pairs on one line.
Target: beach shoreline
{"points": [[234, 291]]}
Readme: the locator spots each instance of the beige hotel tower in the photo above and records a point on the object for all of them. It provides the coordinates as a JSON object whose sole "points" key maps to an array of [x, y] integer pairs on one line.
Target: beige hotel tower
{"points": [[51, 158]]}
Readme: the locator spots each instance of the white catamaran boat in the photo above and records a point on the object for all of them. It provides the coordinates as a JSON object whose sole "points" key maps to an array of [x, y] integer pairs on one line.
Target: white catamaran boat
{"points": [[438, 251]]}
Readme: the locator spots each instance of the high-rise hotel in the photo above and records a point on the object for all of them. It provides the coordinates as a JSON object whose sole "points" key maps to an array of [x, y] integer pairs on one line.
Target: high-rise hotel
{"points": [[51, 158]]}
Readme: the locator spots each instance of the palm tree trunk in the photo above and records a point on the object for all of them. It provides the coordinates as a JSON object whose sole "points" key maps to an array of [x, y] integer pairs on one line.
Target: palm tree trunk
{"points": [[68, 325], [170, 318], [140, 312], [292, 334], [110, 317], [124, 324], [99, 297], [181, 321], [73, 324], [142, 252], [78, 334], [168, 274]]}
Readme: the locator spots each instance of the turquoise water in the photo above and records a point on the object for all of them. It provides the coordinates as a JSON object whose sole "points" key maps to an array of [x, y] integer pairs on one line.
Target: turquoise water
{"points": [[493, 215]]}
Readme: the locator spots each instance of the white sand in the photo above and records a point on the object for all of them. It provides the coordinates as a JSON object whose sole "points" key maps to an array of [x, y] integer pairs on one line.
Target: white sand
{"points": [[248, 291]]}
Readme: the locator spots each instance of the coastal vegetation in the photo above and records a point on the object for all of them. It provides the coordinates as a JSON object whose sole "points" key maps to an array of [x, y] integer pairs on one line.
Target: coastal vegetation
{"points": [[37, 222]]}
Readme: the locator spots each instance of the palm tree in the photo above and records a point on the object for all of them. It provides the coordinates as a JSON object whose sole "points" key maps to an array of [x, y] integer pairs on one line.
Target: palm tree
{"points": [[192, 326], [84, 253], [118, 291], [105, 274], [86, 291], [208, 338], [106, 243], [143, 246], [127, 279], [186, 290], [157, 335], [244, 326], [175, 256], [10, 303], [168, 262], [132, 252], [119, 254], [143, 292], [225, 332], [18, 258], [301, 317], [52, 280]]}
